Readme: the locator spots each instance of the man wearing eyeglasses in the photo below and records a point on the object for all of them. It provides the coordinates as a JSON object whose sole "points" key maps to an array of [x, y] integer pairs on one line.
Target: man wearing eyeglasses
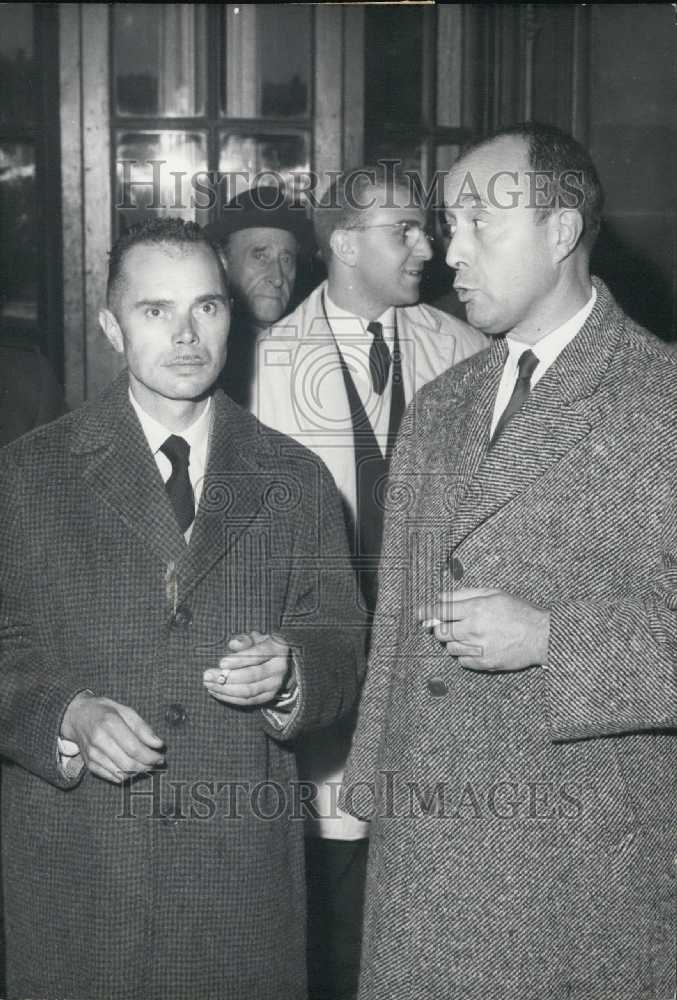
{"points": [[337, 375]]}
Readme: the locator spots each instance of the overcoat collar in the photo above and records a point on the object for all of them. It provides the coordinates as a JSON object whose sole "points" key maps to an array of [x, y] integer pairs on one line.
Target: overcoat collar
{"points": [[120, 469], [557, 416]]}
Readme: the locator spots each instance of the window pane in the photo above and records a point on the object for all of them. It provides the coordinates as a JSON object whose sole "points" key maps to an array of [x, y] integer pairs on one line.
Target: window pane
{"points": [[394, 65], [259, 155], [268, 50], [18, 83], [449, 64], [160, 59], [446, 156], [407, 151], [18, 234], [167, 186]]}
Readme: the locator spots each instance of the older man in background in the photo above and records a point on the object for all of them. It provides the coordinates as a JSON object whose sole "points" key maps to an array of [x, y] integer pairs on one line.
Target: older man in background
{"points": [[261, 237]]}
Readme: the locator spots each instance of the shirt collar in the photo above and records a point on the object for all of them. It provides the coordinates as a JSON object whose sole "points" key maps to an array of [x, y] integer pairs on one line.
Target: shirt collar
{"points": [[550, 346], [197, 434], [344, 318]]}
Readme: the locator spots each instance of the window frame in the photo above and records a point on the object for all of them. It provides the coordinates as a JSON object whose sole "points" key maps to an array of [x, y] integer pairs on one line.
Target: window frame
{"points": [[429, 134], [214, 122], [46, 331]]}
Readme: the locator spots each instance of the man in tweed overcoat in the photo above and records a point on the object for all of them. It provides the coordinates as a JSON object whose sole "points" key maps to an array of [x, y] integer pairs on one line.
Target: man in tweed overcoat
{"points": [[153, 673], [516, 739]]}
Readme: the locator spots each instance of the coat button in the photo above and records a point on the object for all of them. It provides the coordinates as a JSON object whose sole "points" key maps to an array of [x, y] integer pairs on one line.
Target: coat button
{"points": [[176, 715], [437, 687], [455, 567], [182, 617]]}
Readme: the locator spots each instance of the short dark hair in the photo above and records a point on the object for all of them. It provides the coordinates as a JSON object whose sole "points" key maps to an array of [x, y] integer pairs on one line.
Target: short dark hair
{"points": [[168, 230], [555, 152], [346, 198]]}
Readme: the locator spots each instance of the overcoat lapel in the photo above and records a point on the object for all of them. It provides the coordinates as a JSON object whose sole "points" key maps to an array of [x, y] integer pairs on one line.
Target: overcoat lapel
{"points": [[235, 492], [312, 391], [478, 389], [319, 365], [423, 351], [122, 472], [555, 419]]}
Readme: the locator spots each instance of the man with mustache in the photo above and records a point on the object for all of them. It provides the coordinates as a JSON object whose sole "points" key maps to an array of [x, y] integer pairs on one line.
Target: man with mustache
{"points": [[337, 375], [176, 607], [516, 736]]}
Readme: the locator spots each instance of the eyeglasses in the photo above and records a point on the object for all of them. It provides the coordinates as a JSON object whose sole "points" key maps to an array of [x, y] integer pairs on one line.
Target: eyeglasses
{"points": [[410, 232]]}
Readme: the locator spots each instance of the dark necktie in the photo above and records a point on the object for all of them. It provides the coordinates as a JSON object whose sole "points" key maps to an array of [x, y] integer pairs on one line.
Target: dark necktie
{"points": [[379, 358], [525, 369], [178, 487]]}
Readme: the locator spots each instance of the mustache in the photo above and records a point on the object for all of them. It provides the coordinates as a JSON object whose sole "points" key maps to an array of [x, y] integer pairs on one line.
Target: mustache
{"points": [[184, 359]]}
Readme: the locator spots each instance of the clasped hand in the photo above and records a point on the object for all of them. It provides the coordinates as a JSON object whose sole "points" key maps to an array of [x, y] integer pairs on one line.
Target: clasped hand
{"points": [[489, 630], [115, 742], [253, 672]]}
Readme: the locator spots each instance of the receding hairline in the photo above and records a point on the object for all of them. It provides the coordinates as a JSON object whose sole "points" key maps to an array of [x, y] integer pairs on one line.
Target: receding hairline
{"points": [[550, 150], [521, 143]]}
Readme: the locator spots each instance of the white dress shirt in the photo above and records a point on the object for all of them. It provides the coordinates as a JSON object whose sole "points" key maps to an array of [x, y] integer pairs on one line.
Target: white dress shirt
{"points": [[354, 342], [546, 350]]}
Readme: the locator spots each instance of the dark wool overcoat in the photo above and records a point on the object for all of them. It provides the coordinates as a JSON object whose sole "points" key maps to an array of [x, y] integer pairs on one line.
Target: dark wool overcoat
{"points": [[524, 841], [183, 886]]}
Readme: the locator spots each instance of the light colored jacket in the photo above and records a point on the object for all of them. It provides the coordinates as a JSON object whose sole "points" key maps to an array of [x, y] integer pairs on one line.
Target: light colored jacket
{"points": [[299, 389]]}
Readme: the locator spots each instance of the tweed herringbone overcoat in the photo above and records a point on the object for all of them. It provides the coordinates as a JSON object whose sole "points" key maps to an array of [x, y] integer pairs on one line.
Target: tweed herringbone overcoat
{"points": [[184, 886], [523, 845]]}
